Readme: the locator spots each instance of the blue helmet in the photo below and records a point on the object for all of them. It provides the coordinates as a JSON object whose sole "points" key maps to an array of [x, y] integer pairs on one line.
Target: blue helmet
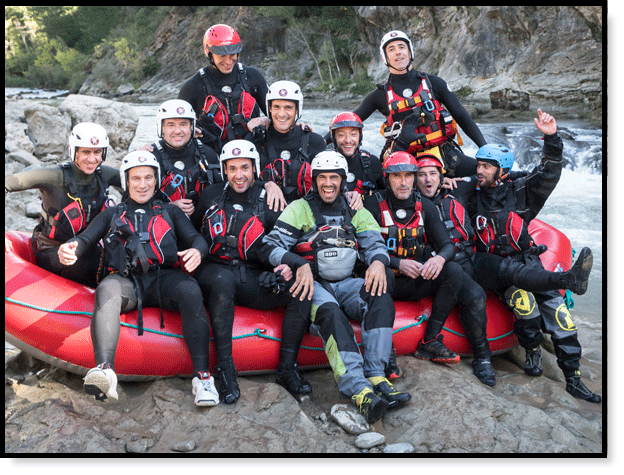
{"points": [[500, 154]]}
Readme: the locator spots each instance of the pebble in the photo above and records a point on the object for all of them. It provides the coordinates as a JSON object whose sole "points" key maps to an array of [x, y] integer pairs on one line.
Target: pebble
{"points": [[401, 448], [349, 419], [185, 446], [369, 439]]}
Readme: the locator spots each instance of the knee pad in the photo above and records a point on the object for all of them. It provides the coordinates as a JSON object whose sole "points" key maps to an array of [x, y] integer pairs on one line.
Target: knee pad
{"points": [[522, 303]]}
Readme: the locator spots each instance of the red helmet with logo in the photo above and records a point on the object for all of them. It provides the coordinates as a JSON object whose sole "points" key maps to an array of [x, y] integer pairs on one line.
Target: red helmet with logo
{"points": [[346, 119], [398, 162], [222, 40]]}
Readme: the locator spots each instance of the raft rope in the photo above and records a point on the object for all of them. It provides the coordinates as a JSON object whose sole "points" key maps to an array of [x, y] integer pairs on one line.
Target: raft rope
{"points": [[257, 332]]}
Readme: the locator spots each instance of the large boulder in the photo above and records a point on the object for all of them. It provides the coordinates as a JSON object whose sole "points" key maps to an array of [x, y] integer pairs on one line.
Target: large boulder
{"points": [[118, 118], [48, 130]]}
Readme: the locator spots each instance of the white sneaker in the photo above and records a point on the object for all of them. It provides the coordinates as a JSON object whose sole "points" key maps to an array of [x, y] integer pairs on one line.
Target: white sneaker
{"points": [[204, 389], [101, 382]]}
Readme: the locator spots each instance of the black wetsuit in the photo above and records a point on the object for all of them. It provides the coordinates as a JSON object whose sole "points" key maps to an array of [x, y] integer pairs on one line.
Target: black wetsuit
{"points": [[57, 185], [165, 286], [451, 287], [194, 92], [227, 279], [185, 172], [377, 101], [295, 147]]}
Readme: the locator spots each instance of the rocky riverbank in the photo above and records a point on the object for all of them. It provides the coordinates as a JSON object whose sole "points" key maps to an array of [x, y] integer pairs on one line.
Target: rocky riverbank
{"points": [[46, 411]]}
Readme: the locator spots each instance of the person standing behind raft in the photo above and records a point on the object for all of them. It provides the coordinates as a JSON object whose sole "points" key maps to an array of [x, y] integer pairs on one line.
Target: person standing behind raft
{"points": [[421, 110], [187, 165], [72, 195], [142, 238], [227, 95]]}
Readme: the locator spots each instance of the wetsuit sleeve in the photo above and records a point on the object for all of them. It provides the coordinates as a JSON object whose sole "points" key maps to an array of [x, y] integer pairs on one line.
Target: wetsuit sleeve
{"points": [[111, 177], [95, 231], [457, 110], [260, 87], [276, 246], [185, 231], [371, 244], [374, 101], [534, 190], [42, 178], [317, 145], [436, 231], [192, 91]]}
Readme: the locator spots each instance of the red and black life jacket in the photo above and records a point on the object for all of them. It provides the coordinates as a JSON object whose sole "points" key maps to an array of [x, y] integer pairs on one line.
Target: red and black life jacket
{"points": [[501, 231], [436, 126], [236, 237], [147, 241], [138, 243], [231, 108], [292, 174], [409, 240], [79, 211], [457, 222], [178, 184]]}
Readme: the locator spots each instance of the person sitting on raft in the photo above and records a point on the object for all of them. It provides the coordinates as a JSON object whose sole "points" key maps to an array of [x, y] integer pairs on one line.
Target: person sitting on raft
{"points": [[147, 244], [234, 219]]}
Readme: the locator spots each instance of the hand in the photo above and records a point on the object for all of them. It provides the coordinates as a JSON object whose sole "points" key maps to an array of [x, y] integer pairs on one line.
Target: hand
{"points": [[355, 200], [191, 258], [275, 196], [304, 126], [432, 268], [410, 268], [304, 283], [67, 253], [450, 183], [375, 279], [257, 121], [545, 123], [198, 133], [286, 271], [147, 148], [185, 205]]}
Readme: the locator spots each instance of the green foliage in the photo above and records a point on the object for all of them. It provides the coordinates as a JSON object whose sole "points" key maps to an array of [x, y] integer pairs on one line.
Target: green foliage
{"points": [[49, 46]]}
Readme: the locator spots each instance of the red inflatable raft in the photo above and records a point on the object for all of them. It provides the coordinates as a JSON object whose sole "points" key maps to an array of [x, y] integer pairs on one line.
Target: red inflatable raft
{"points": [[48, 317]]}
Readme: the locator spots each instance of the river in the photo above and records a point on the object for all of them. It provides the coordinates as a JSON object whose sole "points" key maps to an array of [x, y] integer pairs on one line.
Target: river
{"points": [[575, 207]]}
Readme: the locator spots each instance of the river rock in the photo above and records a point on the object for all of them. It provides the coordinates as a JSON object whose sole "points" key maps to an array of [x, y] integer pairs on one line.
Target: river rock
{"points": [[349, 419], [118, 118], [401, 448], [369, 440], [48, 129]]}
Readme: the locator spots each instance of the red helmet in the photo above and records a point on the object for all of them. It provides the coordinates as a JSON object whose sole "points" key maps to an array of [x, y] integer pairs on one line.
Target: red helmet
{"points": [[398, 162], [222, 40], [346, 119], [428, 161]]}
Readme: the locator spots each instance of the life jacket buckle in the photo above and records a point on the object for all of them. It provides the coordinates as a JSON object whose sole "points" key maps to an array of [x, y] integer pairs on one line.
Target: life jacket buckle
{"points": [[481, 223], [177, 180], [393, 131], [217, 228], [391, 244]]}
